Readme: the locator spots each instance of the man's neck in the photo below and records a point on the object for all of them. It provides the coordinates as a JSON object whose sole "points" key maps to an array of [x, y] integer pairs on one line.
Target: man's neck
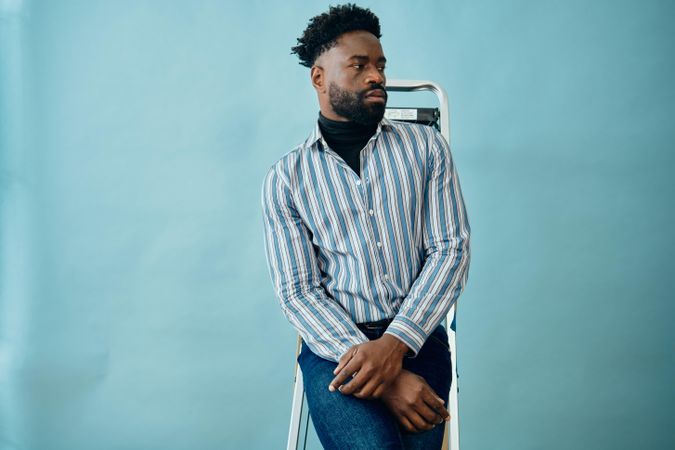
{"points": [[345, 130], [346, 139]]}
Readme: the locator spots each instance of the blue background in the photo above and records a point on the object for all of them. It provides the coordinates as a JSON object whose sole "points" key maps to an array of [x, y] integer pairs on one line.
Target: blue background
{"points": [[136, 310]]}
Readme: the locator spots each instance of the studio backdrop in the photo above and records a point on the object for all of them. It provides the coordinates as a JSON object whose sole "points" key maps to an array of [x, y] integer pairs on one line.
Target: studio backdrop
{"points": [[136, 308]]}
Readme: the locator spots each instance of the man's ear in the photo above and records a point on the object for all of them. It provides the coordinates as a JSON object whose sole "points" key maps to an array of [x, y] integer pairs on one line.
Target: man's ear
{"points": [[317, 76]]}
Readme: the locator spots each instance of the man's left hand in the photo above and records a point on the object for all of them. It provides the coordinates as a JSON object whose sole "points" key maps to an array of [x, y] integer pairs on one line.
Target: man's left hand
{"points": [[374, 365]]}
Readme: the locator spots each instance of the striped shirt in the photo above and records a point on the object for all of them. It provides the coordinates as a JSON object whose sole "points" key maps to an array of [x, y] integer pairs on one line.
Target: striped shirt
{"points": [[343, 249]]}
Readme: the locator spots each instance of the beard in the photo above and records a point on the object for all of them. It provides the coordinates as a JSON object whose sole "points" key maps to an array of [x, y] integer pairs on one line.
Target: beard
{"points": [[352, 105]]}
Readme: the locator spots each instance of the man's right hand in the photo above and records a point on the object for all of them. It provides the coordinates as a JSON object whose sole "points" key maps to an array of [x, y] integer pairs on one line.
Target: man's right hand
{"points": [[414, 404]]}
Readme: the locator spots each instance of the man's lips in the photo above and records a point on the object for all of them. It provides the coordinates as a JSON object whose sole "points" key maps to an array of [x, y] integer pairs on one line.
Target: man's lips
{"points": [[377, 96], [376, 93]]}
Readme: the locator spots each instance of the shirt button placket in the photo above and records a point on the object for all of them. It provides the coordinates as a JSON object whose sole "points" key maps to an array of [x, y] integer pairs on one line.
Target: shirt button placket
{"points": [[371, 213]]}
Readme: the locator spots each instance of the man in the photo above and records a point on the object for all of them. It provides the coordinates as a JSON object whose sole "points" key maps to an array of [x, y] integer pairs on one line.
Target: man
{"points": [[367, 242]]}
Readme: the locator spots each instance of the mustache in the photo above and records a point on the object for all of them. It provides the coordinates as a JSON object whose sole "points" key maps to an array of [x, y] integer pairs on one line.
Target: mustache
{"points": [[373, 87]]}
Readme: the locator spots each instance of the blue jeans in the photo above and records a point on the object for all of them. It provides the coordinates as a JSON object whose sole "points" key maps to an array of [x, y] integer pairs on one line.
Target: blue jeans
{"points": [[346, 422]]}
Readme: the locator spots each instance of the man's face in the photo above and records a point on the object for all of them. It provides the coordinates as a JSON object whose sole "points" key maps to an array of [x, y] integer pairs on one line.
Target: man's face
{"points": [[353, 72]]}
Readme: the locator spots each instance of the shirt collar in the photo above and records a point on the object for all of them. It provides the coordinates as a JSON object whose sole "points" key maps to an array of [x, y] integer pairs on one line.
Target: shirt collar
{"points": [[316, 135]]}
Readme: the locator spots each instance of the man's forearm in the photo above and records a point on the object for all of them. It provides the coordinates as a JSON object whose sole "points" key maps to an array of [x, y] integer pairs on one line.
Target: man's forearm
{"points": [[326, 327], [446, 237]]}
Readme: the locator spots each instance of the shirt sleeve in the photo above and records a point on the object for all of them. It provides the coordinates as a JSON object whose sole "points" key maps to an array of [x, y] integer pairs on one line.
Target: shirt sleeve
{"points": [[446, 234], [323, 323]]}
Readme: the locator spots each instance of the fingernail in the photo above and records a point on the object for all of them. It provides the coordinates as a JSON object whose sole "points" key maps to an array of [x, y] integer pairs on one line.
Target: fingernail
{"points": [[331, 388]]}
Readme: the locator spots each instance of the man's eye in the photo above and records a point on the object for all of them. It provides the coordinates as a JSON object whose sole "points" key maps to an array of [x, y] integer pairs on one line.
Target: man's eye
{"points": [[381, 68], [358, 66]]}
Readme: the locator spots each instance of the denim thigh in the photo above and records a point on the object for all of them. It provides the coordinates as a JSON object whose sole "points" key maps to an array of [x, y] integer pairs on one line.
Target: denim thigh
{"points": [[344, 421]]}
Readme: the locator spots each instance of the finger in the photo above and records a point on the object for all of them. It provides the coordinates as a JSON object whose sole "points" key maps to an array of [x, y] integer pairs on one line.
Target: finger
{"points": [[355, 384], [345, 359], [344, 374], [419, 421], [379, 391], [437, 404], [407, 425], [367, 390], [428, 414]]}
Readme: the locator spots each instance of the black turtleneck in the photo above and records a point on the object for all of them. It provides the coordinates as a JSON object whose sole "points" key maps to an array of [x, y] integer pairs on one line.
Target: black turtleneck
{"points": [[346, 139]]}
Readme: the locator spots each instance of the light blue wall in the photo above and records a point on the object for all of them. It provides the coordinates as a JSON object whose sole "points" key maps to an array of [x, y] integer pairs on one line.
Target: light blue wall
{"points": [[136, 311]]}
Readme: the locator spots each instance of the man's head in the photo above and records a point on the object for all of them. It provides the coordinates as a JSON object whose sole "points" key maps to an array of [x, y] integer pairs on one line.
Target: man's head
{"points": [[342, 48]]}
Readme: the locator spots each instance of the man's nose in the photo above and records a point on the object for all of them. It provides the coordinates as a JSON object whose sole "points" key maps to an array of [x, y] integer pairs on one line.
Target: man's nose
{"points": [[374, 76]]}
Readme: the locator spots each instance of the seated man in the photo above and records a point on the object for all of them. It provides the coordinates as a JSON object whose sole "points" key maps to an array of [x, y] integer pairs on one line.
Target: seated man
{"points": [[367, 241]]}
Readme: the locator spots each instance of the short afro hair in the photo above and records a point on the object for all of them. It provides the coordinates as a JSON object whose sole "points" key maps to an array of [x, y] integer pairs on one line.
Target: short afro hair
{"points": [[323, 30]]}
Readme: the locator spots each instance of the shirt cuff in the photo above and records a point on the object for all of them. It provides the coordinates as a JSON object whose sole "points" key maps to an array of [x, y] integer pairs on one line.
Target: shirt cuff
{"points": [[409, 332]]}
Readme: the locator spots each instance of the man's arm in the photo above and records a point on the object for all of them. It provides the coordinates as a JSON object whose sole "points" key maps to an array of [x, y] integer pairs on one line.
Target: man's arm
{"points": [[441, 280], [325, 326], [446, 235]]}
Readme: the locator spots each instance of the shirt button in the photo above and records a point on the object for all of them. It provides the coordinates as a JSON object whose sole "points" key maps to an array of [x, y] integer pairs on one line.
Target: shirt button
{"points": [[358, 181], [379, 244], [371, 212], [386, 276]]}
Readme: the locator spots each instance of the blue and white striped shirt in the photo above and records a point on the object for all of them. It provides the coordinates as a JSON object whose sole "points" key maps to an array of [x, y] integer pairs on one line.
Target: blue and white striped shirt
{"points": [[344, 249]]}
